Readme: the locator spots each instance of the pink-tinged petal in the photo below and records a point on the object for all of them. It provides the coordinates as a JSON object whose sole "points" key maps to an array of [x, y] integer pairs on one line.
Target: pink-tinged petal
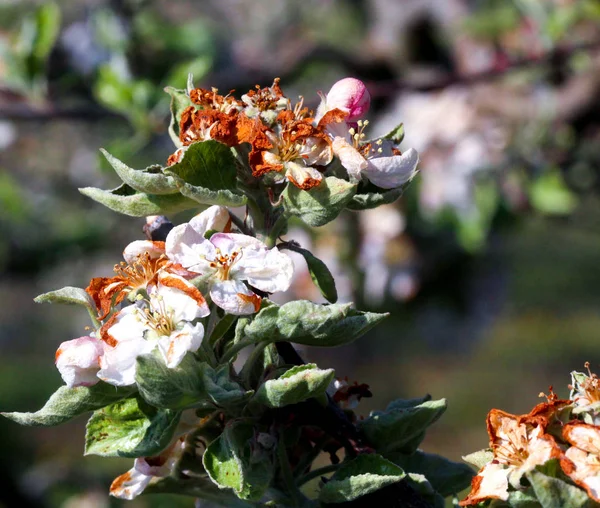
{"points": [[229, 242], [162, 465], [118, 363], [490, 483], [316, 152], [177, 296], [271, 274], [234, 297], [303, 177], [128, 325], [181, 245], [78, 361], [174, 347], [394, 171], [350, 158], [139, 247], [129, 485], [214, 218], [351, 96]]}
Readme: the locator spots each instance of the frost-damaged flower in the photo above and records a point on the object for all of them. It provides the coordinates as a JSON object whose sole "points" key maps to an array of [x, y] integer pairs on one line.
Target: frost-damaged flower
{"points": [[143, 260], [227, 259], [348, 395], [349, 95], [377, 160], [265, 103], [163, 321], [585, 394], [518, 447], [146, 469], [291, 149], [582, 459], [78, 361]]}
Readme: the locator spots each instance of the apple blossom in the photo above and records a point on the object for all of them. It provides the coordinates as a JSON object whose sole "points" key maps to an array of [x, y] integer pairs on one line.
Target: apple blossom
{"points": [[349, 95], [78, 361], [163, 321], [582, 459], [228, 259]]}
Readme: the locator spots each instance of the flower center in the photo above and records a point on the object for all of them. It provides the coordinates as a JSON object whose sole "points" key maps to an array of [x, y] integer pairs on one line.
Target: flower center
{"points": [[513, 451], [140, 271], [223, 263], [160, 318]]}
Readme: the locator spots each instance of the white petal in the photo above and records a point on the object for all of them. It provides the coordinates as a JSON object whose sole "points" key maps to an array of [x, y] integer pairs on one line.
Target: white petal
{"points": [[229, 242], [494, 483], [214, 218], [134, 249], [129, 485], [175, 347], [184, 245], [118, 363], [350, 158], [234, 297], [394, 171], [316, 152], [302, 176], [173, 294], [78, 361], [271, 273], [130, 324]]}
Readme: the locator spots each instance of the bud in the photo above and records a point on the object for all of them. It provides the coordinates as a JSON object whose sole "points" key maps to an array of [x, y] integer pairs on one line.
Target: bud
{"points": [[78, 361], [351, 96]]}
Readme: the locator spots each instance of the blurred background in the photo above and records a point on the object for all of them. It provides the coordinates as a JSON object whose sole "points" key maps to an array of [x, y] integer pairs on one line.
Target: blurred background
{"points": [[489, 263]]}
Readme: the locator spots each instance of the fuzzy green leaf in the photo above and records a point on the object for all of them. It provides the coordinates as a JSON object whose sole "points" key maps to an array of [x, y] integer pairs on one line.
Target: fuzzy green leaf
{"points": [[368, 200], [231, 462], [321, 204], [130, 428], [198, 487], [69, 295], [319, 273], [396, 135], [360, 476], [299, 383], [204, 196], [480, 458], [150, 180], [190, 384], [307, 323], [67, 403], [401, 429], [124, 199], [446, 477], [555, 493], [179, 101]]}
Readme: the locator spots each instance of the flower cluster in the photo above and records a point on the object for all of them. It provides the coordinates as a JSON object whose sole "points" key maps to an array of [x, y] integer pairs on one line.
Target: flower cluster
{"points": [[291, 143], [166, 308], [564, 430]]}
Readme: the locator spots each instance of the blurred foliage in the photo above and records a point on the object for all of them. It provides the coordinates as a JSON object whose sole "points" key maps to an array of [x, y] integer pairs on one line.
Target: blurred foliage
{"points": [[490, 255]]}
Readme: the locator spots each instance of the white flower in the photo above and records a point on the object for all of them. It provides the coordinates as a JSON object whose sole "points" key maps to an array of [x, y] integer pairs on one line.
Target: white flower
{"points": [[145, 469], [227, 259], [78, 361], [582, 462], [379, 161], [163, 321]]}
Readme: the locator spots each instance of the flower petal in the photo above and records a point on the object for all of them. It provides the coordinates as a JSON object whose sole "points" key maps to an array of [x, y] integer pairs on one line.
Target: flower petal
{"points": [[177, 296], [303, 177], [130, 484], [350, 158], [234, 297], [189, 248], [214, 218], [174, 347], [270, 272], [394, 171], [78, 360], [139, 247], [490, 483], [118, 362]]}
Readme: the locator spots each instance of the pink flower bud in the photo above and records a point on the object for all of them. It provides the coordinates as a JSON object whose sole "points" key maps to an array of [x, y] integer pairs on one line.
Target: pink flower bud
{"points": [[78, 361], [351, 96]]}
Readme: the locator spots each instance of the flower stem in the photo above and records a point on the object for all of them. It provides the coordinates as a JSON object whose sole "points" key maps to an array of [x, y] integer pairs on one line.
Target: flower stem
{"points": [[316, 473], [252, 359], [235, 349]]}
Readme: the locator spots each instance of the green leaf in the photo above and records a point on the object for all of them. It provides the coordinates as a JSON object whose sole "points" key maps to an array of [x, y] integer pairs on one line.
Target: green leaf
{"points": [[204, 196], [359, 477], [207, 164], [307, 323], [401, 429], [405, 403], [555, 493], [446, 477], [231, 462], [520, 499], [368, 200], [198, 487], [319, 273], [130, 428], [126, 200], [299, 383], [422, 485], [47, 22], [550, 195], [396, 135], [150, 180], [480, 458], [69, 295], [190, 384], [180, 100], [67, 403], [321, 204]]}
